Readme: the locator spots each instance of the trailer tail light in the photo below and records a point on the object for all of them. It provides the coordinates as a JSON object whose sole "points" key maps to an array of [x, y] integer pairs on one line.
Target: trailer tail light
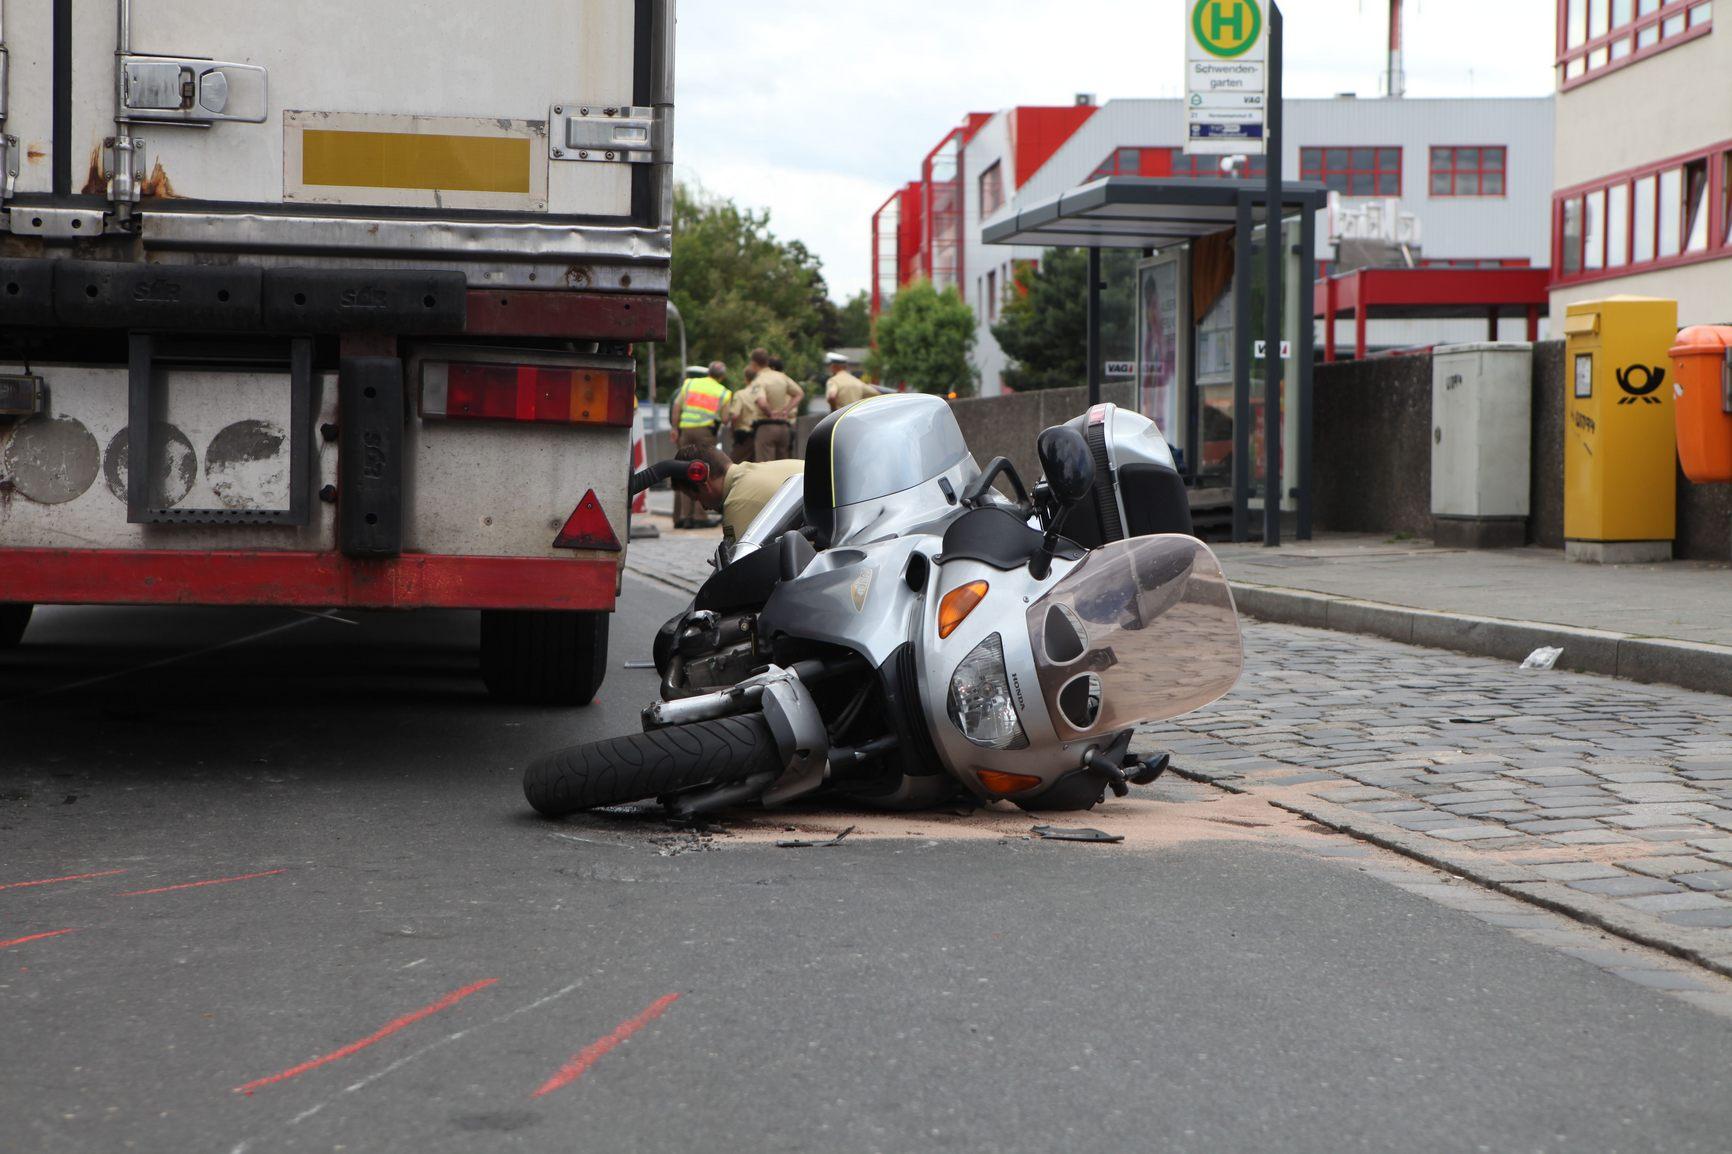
{"points": [[587, 528], [467, 391]]}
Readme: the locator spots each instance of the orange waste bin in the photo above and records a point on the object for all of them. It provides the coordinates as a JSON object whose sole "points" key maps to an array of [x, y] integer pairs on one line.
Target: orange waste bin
{"points": [[1702, 359]]}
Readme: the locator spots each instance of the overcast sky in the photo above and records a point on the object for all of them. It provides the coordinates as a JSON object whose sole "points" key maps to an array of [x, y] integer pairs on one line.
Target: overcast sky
{"points": [[819, 109]]}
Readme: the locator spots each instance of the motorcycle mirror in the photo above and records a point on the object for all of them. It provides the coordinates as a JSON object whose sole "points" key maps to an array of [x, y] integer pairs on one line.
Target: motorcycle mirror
{"points": [[1067, 463]]}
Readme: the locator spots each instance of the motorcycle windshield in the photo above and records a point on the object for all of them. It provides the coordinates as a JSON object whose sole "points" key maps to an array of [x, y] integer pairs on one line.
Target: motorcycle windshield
{"points": [[1142, 630]]}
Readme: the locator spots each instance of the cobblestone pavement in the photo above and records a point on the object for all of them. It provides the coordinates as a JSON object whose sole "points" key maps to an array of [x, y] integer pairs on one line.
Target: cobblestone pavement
{"points": [[680, 558], [1602, 798]]}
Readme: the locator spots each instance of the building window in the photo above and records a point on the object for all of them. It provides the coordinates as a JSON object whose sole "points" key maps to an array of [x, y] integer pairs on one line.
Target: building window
{"points": [[1469, 171], [1123, 162], [1617, 226], [1642, 220], [1181, 163], [1354, 171], [992, 295], [1595, 36], [1570, 236], [991, 190], [1695, 232], [1174, 162], [1675, 212]]}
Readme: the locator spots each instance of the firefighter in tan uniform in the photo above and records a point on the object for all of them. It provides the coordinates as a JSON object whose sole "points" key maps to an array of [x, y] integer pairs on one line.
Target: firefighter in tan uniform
{"points": [[696, 412], [844, 388], [778, 403]]}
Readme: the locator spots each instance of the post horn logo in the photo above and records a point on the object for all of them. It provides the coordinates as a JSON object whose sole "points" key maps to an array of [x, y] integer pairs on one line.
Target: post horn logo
{"points": [[1640, 382]]}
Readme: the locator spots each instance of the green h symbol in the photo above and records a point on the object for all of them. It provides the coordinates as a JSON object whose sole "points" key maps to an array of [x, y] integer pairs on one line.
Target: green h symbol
{"points": [[1220, 19]]}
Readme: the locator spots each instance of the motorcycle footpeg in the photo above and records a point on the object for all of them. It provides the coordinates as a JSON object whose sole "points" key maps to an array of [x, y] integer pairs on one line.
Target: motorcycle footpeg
{"points": [[1148, 771]]}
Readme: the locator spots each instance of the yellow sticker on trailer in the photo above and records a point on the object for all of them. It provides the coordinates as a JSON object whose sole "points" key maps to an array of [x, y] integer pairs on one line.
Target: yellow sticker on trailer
{"points": [[460, 162], [415, 160]]}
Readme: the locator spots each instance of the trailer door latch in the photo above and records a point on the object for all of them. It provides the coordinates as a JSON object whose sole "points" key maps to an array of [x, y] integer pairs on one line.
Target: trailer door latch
{"points": [[598, 133], [176, 90]]}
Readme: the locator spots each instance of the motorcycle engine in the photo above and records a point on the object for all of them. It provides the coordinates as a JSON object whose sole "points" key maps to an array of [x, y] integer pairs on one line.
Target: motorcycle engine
{"points": [[710, 651]]}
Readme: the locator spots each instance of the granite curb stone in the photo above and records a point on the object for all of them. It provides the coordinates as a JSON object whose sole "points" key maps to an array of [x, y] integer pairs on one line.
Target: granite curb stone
{"points": [[1688, 664]]}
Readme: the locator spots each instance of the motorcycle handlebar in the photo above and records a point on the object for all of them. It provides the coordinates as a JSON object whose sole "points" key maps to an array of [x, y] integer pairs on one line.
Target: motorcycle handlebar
{"points": [[661, 471]]}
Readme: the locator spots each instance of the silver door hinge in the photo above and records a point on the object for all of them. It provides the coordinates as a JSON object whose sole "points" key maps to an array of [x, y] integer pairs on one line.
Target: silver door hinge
{"points": [[602, 134], [191, 91]]}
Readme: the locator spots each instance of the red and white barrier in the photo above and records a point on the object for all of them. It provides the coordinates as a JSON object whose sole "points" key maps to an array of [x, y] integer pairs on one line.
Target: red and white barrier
{"points": [[639, 459]]}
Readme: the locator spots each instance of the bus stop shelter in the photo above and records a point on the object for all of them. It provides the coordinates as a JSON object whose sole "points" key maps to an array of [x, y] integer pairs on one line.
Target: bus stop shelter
{"points": [[1149, 214]]}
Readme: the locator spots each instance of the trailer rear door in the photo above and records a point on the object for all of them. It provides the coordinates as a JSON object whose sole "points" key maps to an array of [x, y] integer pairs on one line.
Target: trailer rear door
{"points": [[331, 108]]}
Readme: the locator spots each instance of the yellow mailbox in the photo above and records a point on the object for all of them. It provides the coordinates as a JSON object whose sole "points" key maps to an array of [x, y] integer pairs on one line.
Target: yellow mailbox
{"points": [[1620, 441]]}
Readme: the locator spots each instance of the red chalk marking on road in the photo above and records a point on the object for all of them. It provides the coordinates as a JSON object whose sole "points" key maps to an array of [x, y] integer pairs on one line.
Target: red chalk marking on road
{"points": [[67, 878], [34, 938], [196, 885], [378, 1035], [592, 1053]]}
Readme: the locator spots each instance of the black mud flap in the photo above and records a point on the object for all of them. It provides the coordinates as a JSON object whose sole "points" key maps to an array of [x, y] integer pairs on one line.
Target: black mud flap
{"points": [[370, 456], [305, 300]]}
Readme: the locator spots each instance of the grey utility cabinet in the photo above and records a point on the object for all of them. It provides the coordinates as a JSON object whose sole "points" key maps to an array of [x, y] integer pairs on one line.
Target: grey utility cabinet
{"points": [[1481, 443]]}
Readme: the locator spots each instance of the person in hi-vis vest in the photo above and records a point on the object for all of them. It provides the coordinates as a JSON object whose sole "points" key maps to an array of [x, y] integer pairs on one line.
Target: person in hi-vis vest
{"points": [[696, 414]]}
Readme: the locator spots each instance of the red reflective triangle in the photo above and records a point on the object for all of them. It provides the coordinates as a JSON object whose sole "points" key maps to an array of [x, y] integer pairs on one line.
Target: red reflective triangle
{"points": [[587, 528]]}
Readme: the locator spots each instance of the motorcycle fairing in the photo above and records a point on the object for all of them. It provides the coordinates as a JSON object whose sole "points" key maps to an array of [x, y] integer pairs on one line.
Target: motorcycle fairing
{"points": [[852, 597]]}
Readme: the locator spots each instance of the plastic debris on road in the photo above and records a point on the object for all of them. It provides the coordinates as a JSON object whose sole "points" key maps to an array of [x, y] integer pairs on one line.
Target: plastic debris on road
{"points": [[796, 844], [1542, 658], [1078, 833]]}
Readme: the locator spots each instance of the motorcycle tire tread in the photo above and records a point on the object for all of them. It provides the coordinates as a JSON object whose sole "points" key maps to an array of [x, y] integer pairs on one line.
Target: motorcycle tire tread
{"points": [[641, 765]]}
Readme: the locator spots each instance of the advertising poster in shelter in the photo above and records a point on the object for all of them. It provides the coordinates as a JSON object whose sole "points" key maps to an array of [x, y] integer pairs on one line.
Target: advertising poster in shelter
{"points": [[1158, 345]]}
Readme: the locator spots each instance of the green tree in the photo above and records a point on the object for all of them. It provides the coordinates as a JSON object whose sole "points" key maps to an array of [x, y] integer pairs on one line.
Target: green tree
{"points": [[924, 341], [856, 319], [1043, 323], [738, 286]]}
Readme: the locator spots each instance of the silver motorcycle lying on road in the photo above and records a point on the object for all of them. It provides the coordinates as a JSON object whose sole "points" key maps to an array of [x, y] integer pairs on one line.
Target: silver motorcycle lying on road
{"points": [[894, 629]]}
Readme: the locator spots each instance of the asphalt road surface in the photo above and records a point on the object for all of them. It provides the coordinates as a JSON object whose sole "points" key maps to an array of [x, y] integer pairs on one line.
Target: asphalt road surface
{"points": [[393, 953]]}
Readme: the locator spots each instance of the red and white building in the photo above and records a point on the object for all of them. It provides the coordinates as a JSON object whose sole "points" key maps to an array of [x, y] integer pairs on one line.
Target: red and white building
{"points": [[1475, 176], [1644, 155]]}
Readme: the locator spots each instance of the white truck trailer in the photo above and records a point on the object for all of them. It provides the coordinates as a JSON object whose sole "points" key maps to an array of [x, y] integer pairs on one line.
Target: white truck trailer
{"points": [[331, 304]]}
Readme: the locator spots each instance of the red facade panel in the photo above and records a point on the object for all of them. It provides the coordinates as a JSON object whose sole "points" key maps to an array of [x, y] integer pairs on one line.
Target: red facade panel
{"points": [[1037, 133], [909, 232]]}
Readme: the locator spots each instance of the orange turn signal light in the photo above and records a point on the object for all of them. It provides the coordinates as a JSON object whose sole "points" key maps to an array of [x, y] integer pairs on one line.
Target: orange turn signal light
{"points": [[1000, 782], [958, 604]]}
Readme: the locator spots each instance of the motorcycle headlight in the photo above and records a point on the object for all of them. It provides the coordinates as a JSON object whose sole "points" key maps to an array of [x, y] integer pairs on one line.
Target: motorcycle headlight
{"points": [[980, 700]]}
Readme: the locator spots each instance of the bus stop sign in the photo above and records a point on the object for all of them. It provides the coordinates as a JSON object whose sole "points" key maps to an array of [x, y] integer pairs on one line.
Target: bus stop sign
{"points": [[1226, 77]]}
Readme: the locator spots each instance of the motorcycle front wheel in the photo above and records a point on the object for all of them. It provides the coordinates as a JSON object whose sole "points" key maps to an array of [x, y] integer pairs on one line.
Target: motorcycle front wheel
{"points": [[642, 765]]}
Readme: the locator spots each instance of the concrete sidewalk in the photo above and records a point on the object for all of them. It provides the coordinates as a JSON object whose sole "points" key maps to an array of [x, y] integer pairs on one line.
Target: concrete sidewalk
{"points": [[1668, 623]]}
